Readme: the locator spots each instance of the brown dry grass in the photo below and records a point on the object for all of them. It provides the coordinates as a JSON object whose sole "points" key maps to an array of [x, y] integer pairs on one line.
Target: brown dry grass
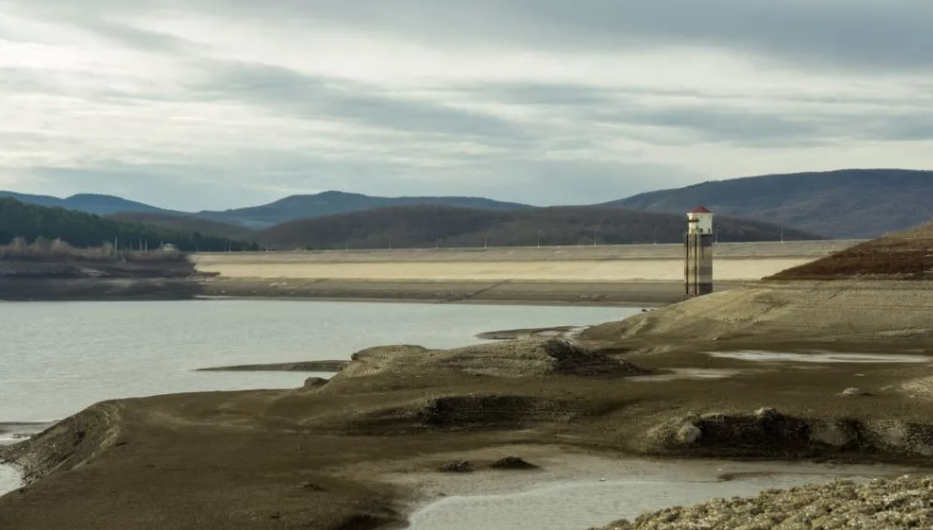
{"points": [[903, 256]]}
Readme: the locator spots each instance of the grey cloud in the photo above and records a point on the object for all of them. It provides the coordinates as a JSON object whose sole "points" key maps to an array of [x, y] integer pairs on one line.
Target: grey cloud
{"points": [[860, 34], [894, 34], [136, 38], [306, 96], [689, 116]]}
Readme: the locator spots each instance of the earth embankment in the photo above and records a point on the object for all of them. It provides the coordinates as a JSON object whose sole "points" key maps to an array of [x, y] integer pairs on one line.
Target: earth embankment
{"points": [[624, 274]]}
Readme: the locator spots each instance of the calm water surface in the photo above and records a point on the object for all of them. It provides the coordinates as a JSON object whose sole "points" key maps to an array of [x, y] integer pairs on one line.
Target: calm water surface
{"points": [[588, 504], [58, 358]]}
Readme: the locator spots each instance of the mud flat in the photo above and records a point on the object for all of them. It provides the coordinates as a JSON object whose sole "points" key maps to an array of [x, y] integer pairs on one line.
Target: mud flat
{"points": [[637, 294]]}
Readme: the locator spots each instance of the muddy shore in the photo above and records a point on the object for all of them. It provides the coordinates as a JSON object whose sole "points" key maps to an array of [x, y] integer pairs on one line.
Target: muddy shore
{"points": [[639, 294], [316, 457]]}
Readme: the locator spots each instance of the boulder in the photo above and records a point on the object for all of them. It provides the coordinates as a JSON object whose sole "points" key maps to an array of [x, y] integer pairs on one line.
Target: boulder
{"points": [[688, 434], [314, 382], [854, 392], [461, 466]]}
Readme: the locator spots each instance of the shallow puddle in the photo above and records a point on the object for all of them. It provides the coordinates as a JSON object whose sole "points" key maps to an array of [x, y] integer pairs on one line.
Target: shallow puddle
{"points": [[572, 491], [9, 479], [577, 505], [687, 373], [822, 357]]}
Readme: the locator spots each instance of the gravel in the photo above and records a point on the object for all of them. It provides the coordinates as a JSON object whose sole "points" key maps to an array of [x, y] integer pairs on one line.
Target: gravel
{"points": [[881, 504]]}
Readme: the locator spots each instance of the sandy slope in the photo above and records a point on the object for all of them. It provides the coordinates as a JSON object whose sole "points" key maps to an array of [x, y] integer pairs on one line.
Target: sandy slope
{"points": [[623, 263], [583, 271], [873, 313]]}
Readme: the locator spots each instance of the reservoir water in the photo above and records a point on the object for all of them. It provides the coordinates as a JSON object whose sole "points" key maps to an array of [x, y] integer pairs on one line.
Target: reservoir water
{"points": [[58, 358]]}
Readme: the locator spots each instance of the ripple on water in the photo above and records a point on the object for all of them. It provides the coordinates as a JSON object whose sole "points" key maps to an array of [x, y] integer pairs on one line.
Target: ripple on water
{"points": [[822, 357], [576, 505], [9, 479]]}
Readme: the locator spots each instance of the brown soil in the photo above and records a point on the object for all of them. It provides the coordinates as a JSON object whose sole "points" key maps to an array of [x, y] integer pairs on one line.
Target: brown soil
{"points": [[902, 256]]}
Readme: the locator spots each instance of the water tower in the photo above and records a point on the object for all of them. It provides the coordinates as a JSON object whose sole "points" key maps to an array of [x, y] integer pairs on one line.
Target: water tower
{"points": [[698, 252]]}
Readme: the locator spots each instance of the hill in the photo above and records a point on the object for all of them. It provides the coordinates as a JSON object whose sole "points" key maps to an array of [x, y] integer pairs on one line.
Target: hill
{"points": [[906, 255], [93, 203], [81, 229], [429, 225], [336, 202], [187, 223], [857, 203]]}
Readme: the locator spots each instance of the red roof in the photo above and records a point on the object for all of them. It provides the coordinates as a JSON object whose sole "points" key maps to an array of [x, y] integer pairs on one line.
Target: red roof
{"points": [[700, 209]]}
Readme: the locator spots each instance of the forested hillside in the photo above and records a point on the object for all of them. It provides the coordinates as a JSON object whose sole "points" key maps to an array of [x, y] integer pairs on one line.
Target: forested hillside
{"points": [[82, 230], [852, 203], [427, 226], [298, 207], [187, 223]]}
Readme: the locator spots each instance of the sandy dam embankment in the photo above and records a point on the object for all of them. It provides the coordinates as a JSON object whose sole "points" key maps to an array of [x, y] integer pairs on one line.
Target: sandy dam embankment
{"points": [[638, 274]]}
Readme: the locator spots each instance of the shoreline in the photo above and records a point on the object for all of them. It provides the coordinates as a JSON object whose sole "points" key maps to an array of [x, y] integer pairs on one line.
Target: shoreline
{"points": [[563, 468], [370, 422], [530, 293]]}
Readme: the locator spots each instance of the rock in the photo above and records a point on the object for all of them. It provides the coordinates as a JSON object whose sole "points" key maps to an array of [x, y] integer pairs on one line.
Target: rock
{"points": [[713, 417], [853, 392], [688, 434], [461, 466], [767, 414], [513, 462], [314, 382], [832, 433], [878, 505], [310, 486]]}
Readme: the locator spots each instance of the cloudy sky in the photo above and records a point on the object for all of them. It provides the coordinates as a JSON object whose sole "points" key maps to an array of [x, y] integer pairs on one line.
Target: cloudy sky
{"points": [[208, 104]]}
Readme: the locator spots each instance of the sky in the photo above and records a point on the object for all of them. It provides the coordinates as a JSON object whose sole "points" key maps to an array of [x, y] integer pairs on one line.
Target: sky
{"points": [[215, 104]]}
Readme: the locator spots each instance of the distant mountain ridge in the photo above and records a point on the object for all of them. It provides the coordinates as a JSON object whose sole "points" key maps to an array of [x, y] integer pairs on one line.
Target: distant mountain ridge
{"points": [[290, 208], [852, 203], [31, 221], [423, 226], [298, 207], [97, 204]]}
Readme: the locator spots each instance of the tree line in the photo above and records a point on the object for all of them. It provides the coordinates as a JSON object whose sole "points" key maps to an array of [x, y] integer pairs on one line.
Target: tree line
{"points": [[78, 229]]}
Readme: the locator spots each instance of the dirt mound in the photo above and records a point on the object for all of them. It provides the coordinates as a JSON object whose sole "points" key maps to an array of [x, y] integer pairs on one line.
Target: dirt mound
{"points": [[888, 312], [513, 463], [902, 256], [67, 444], [459, 413], [514, 359]]}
